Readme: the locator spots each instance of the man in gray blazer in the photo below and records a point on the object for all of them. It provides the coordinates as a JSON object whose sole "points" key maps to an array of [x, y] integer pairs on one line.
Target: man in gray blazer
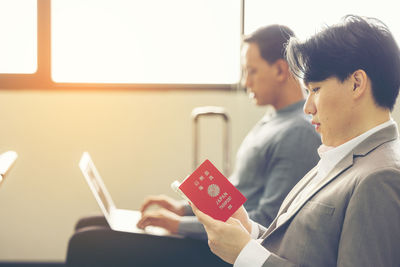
{"points": [[345, 211]]}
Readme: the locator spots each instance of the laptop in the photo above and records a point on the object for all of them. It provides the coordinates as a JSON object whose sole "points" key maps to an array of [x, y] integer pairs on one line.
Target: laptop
{"points": [[7, 160], [118, 219]]}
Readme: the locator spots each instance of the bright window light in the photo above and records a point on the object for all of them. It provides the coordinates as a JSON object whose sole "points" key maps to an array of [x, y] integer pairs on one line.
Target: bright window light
{"points": [[18, 32], [152, 41], [309, 16]]}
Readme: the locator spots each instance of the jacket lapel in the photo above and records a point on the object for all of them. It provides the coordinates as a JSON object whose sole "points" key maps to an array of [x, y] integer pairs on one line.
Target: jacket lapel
{"points": [[291, 196], [342, 165], [296, 190]]}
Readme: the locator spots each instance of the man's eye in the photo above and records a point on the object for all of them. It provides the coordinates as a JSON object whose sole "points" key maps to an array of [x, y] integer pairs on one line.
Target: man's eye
{"points": [[314, 90], [251, 71]]}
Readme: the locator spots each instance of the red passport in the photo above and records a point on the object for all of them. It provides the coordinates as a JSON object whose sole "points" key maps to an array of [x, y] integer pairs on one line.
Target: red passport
{"points": [[212, 192]]}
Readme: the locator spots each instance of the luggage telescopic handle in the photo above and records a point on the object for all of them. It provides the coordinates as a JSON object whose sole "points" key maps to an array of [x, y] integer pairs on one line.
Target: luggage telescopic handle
{"points": [[211, 111]]}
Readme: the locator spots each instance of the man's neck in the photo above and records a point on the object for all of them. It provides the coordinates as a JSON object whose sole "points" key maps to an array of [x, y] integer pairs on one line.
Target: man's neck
{"points": [[291, 93], [373, 118], [366, 123]]}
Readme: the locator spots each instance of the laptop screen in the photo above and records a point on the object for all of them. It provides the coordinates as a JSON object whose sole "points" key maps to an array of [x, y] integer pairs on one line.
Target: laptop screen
{"points": [[7, 160], [96, 184], [99, 190]]}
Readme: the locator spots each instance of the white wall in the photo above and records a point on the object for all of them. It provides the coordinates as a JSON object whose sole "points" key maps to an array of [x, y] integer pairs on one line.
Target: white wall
{"points": [[140, 142]]}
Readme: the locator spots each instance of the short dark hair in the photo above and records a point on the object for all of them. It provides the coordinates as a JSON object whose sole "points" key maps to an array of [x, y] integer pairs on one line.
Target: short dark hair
{"points": [[271, 41], [338, 51]]}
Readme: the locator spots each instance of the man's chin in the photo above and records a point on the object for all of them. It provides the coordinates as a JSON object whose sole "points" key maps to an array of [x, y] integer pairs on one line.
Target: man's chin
{"points": [[251, 95], [254, 99]]}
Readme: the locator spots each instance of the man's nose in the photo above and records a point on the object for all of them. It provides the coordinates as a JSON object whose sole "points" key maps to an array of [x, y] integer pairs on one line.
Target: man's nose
{"points": [[248, 82], [309, 106]]}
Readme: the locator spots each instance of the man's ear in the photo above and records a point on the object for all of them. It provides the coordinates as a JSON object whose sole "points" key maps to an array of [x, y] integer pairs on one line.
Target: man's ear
{"points": [[359, 80], [282, 69]]}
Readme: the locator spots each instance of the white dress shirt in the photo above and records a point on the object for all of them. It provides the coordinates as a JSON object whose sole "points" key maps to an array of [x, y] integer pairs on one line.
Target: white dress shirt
{"points": [[254, 254]]}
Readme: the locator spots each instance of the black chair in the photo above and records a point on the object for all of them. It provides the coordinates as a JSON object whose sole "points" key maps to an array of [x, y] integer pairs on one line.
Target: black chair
{"points": [[100, 246]]}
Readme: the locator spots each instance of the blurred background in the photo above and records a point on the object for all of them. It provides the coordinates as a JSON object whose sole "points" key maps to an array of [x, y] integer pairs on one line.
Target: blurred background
{"points": [[119, 79]]}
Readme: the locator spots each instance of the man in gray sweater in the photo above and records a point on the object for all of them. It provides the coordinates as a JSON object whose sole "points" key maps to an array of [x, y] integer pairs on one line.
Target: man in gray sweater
{"points": [[275, 154]]}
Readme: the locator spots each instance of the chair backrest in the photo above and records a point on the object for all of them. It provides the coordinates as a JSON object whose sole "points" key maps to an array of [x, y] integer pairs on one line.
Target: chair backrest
{"points": [[212, 111]]}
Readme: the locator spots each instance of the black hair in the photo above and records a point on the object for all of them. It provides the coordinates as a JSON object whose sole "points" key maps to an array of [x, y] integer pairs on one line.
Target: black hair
{"points": [[271, 41], [338, 51]]}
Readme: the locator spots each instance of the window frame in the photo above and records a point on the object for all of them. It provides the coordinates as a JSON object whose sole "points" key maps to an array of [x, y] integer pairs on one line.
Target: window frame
{"points": [[41, 79]]}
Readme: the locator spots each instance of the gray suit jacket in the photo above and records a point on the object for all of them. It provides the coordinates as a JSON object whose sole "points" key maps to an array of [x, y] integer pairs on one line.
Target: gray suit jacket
{"points": [[352, 218]]}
